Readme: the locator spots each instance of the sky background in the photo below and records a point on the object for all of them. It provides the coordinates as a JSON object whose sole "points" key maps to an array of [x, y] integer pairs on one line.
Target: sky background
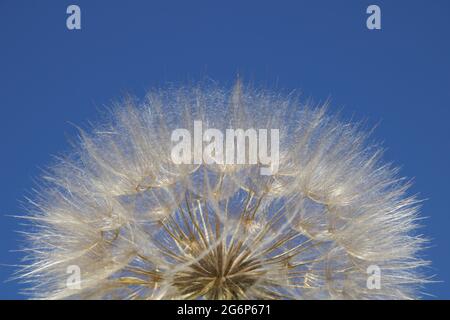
{"points": [[397, 77]]}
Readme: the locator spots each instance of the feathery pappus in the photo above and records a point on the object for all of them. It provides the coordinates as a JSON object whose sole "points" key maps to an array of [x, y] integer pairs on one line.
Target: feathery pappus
{"points": [[137, 225]]}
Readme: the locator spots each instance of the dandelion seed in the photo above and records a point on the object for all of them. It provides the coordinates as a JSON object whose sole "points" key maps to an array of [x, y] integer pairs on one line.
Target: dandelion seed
{"points": [[139, 226]]}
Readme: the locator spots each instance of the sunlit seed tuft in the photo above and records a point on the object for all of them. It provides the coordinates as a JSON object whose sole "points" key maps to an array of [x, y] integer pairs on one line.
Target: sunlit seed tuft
{"points": [[141, 227]]}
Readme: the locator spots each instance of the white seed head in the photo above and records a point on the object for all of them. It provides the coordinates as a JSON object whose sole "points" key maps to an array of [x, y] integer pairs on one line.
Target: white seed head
{"points": [[139, 226]]}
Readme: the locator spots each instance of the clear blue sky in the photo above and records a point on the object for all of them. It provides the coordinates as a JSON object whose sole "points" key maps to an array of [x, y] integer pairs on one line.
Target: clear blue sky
{"points": [[398, 76]]}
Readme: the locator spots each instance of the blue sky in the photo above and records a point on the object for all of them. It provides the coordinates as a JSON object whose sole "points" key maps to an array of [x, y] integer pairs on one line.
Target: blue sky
{"points": [[398, 76]]}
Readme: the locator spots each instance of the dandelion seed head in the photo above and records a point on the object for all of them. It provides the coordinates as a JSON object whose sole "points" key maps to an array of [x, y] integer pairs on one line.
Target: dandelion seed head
{"points": [[140, 226]]}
